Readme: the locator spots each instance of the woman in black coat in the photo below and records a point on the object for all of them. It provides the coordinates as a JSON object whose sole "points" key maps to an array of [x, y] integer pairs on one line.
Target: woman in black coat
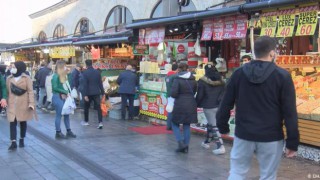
{"points": [[210, 91], [185, 106]]}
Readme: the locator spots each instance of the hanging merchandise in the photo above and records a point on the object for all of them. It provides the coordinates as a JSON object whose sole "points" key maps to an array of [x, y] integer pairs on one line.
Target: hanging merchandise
{"points": [[221, 64], [162, 49]]}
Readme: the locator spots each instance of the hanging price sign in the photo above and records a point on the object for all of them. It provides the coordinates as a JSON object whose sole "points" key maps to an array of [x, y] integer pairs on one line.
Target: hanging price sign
{"points": [[229, 28], [207, 30], [307, 21], [217, 29], [241, 26], [268, 26], [286, 23]]}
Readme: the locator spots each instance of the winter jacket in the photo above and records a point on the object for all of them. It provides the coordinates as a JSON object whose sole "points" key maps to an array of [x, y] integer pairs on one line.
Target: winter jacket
{"points": [[169, 82], [209, 93], [3, 88], [75, 78], [42, 75], [18, 106], [128, 81], [92, 83], [265, 98], [185, 106]]}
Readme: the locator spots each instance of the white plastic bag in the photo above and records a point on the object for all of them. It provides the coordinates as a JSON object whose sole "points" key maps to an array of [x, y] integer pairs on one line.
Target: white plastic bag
{"points": [[197, 48], [69, 106], [74, 93], [169, 107], [221, 65]]}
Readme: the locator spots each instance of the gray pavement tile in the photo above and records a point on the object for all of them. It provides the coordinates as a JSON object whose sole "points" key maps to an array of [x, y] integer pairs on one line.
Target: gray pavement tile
{"points": [[157, 178], [139, 170], [127, 175], [158, 170], [148, 175], [135, 178], [49, 176], [169, 174]]}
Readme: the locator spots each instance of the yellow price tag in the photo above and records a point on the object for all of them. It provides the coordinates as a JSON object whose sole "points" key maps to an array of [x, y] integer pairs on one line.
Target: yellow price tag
{"points": [[286, 25], [307, 23], [269, 25]]}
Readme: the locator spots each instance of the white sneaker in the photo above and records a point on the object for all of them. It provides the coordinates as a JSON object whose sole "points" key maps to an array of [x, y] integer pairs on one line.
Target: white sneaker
{"points": [[205, 145], [83, 123], [100, 126], [219, 151]]}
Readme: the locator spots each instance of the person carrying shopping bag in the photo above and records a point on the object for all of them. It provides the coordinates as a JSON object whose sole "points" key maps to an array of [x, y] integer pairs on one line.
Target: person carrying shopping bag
{"points": [[61, 90], [20, 103]]}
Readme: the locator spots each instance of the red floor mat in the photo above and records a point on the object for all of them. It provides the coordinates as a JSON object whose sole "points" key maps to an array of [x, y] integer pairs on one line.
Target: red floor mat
{"points": [[151, 130]]}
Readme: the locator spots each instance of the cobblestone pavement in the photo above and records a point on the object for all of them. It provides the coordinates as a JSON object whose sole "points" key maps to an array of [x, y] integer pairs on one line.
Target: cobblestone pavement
{"points": [[118, 153]]}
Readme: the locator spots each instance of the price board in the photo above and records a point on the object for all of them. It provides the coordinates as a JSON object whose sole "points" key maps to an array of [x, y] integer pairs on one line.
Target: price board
{"points": [[217, 29], [241, 26], [307, 23], [268, 26], [139, 49], [229, 28], [286, 23], [207, 30]]}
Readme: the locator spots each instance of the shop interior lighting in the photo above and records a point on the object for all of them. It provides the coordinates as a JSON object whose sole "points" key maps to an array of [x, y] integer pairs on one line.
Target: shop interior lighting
{"points": [[176, 29], [170, 30], [46, 51]]}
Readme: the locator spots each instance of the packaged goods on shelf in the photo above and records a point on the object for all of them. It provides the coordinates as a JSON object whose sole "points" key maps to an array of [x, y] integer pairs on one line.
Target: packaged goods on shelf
{"points": [[305, 109]]}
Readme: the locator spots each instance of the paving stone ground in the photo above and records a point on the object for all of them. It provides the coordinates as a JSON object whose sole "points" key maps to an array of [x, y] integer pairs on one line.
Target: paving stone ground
{"points": [[117, 151]]}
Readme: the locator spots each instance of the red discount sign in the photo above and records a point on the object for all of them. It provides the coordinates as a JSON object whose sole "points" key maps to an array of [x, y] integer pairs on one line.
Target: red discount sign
{"points": [[241, 26], [207, 30], [217, 29], [229, 27]]}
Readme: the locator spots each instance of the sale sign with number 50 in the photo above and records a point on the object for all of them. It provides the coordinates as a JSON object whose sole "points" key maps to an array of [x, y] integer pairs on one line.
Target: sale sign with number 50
{"points": [[307, 23]]}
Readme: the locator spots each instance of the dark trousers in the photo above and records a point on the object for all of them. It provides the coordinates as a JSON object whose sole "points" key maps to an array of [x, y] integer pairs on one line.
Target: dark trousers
{"points": [[124, 100], [96, 100], [13, 130]]}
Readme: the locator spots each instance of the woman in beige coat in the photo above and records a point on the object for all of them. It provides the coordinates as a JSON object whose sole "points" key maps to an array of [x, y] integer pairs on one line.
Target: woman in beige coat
{"points": [[20, 102]]}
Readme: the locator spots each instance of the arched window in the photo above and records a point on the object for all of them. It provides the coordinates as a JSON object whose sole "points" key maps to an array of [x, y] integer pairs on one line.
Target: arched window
{"points": [[59, 32], [119, 15], [84, 27], [158, 11], [42, 37]]}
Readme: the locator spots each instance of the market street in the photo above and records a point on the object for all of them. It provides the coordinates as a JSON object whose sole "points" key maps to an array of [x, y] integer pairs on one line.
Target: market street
{"points": [[115, 152]]}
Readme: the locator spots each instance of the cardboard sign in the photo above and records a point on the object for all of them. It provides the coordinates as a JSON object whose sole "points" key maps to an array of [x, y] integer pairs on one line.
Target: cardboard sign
{"points": [[139, 49], [229, 28], [269, 25], [217, 30], [207, 30], [62, 52], [307, 23]]}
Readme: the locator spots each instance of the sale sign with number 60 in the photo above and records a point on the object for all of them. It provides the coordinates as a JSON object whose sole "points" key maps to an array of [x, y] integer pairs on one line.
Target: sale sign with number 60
{"points": [[307, 23], [286, 25]]}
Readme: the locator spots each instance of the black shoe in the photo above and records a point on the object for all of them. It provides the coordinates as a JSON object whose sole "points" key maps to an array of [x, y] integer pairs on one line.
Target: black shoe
{"points": [[70, 134], [21, 143], [186, 149], [181, 147], [13, 146], [60, 135]]}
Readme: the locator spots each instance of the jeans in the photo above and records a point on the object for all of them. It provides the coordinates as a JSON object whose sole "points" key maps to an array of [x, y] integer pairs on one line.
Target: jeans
{"points": [[58, 104], [124, 100], [177, 133], [268, 155], [169, 117], [42, 94], [96, 100], [13, 129]]}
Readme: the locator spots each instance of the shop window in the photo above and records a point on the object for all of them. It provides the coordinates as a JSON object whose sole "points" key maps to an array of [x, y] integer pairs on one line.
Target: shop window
{"points": [[118, 16], [42, 37], [84, 27], [58, 32], [158, 10]]}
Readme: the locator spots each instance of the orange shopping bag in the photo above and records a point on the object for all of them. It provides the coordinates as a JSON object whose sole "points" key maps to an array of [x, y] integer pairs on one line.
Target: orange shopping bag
{"points": [[104, 107]]}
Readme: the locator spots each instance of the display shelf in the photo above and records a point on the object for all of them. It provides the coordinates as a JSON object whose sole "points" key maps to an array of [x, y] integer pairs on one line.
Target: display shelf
{"points": [[297, 65]]}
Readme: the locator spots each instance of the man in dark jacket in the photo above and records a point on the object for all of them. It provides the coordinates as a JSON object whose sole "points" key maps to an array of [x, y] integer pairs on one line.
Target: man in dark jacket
{"points": [[92, 90], [128, 81], [75, 76], [169, 81], [265, 99], [41, 81]]}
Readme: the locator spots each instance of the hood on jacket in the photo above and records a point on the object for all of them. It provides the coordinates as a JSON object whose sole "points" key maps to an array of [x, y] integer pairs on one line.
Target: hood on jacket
{"points": [[186, 75], [212, 83], [258, 71]]}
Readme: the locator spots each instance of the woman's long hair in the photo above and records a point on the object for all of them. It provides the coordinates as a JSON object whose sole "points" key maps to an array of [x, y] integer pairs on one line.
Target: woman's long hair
{"points": [[61, 70]]}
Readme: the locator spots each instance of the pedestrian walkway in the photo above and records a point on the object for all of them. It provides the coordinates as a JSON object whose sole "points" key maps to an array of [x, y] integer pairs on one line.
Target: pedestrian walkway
{"points": [[118, 153]]}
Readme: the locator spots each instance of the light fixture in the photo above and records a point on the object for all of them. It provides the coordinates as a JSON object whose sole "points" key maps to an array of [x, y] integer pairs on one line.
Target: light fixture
{"points": [[176, 29], [46, 51], [170, 30]]}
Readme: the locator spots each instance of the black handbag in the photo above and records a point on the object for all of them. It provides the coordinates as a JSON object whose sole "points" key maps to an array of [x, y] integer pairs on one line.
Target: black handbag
{"points": [[17, 90]]}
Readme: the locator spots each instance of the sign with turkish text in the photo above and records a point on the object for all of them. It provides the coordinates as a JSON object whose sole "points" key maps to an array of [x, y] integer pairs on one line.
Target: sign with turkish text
{"points": [[62, 52], [155, 35], [153, 103], [207, 30], [268, 26], [140, 49], [241, 26], [286, 23], [307, 23], [217, 30], [229, 28], [111, 64]]}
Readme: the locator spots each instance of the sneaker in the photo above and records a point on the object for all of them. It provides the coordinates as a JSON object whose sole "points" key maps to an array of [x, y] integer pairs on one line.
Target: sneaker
{"points": [[219, 151], [70, 134], [100, 126], [13, 146], [60, 135], [205, 145], [83, 123]]}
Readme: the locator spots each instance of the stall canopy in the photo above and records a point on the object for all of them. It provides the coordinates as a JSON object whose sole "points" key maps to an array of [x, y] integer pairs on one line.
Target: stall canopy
{"points": [[249, 7]]}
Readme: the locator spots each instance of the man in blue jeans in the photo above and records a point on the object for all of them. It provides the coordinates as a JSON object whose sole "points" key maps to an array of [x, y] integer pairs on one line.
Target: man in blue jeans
{"points": [[265, 99], [128, 81]]}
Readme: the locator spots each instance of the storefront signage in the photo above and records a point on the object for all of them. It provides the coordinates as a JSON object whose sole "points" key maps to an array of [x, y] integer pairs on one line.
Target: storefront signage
{"points": [[20, 57], [229, 27], [111, 64], [152, 36], [62, 52], [217, 29], [181, 48], [153, 103], [286, 23], [241, 26], [269, 24], [307, 22], [95, 53], [176, 36], [139, 49], [207, 30], [142, 33]]}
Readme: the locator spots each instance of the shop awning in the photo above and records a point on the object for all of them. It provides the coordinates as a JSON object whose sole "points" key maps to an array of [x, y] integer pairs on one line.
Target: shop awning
{"points": [[35, 45], [249, 7], [102, 41]]}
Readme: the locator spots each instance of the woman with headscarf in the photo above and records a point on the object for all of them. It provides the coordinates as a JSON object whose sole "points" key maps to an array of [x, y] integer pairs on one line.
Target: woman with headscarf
{"points": [[61, 89], [210, 91], [184, 112], [20, 102]]}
